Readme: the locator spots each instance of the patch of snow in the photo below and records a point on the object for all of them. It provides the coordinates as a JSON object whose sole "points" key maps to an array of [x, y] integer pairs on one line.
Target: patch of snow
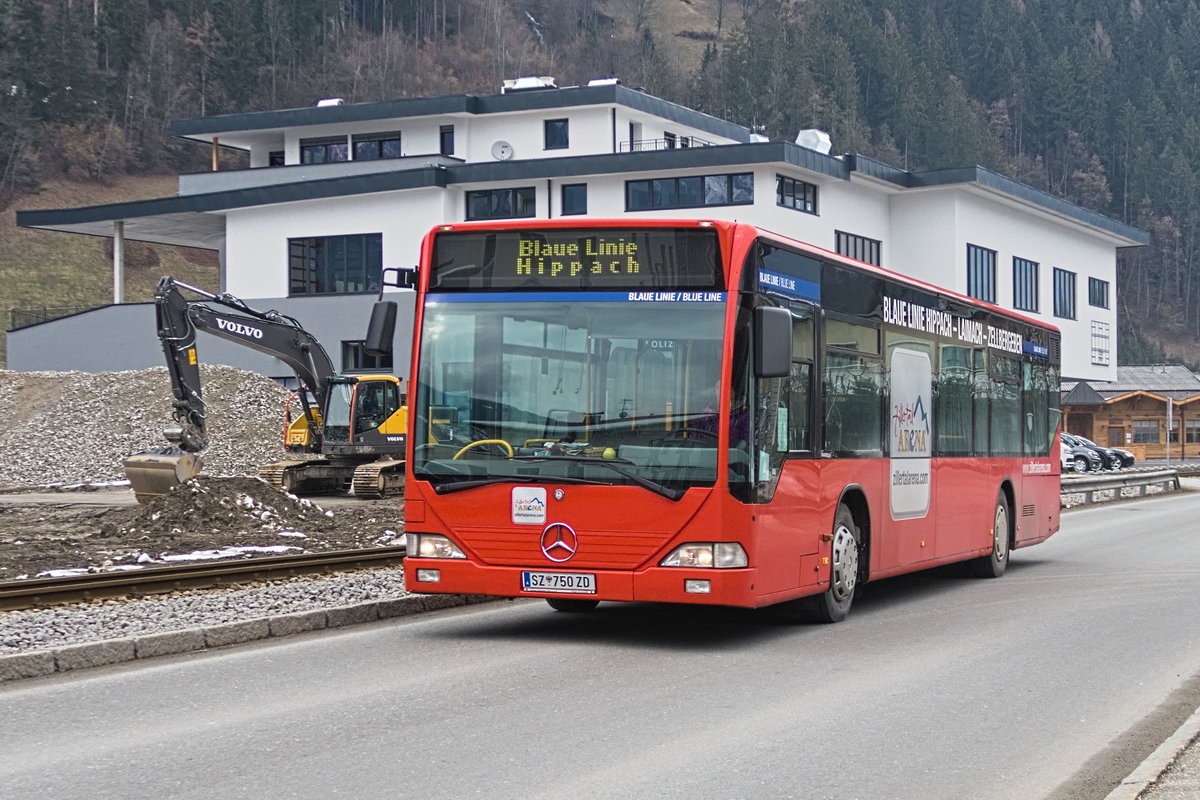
{"points": [[229, 552]]}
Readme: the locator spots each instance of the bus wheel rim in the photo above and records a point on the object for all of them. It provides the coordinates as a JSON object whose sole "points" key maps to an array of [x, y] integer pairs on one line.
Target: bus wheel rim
{"points": [[1000, 533], [845, 562]]}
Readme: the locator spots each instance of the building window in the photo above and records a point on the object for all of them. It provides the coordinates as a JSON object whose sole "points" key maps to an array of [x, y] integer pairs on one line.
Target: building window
{"points": [[1025, 285], [557, 137], [1145, 431], [669, 141], [372, 146], [791, 193], [981, 273], [691, 192], [275, 158], [1193, 431], [355, 358], [1064, 293], [335, 264], [501, 203], [1101, 343], [859, 247], [446, 140], [574, 198], [1097, 293], [324, 151]]}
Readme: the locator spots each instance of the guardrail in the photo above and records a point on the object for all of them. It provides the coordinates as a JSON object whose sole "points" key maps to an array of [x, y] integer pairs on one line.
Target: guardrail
{"points": [[1080, 490]]}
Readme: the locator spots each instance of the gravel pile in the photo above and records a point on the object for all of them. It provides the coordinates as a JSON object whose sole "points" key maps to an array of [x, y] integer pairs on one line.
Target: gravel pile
{"points": [[78, 427], [41, 629]]}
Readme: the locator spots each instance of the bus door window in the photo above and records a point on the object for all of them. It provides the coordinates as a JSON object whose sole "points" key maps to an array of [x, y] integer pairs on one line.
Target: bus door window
{"points": [[797, 411], [782, 410], [1034, 420], [853, 389]]}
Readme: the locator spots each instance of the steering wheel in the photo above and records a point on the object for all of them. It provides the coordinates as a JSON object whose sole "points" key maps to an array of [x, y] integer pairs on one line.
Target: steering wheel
{"points": [[477, 442]]}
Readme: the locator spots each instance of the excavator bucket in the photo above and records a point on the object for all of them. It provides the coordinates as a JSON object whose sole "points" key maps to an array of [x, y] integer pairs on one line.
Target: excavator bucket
{"points": [[155, 472]]}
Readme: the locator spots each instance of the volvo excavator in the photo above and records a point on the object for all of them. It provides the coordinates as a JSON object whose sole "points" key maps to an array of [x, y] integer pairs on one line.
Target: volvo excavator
{"points": [[356, 424]]}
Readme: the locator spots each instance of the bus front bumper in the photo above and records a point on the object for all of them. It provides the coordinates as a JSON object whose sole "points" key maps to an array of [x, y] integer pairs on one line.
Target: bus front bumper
{"points": [[728, 587]]}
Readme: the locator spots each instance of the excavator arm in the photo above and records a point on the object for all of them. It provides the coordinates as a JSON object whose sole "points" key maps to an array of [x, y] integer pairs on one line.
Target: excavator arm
{"points": [[155, 472]]}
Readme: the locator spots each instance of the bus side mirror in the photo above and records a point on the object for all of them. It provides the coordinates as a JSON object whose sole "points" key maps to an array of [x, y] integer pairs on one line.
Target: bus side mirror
{"points": [[773, 342], [381, 330]]}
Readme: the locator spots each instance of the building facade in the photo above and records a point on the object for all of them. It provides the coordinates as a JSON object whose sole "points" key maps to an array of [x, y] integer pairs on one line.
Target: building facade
{"points": [[336, 192]]}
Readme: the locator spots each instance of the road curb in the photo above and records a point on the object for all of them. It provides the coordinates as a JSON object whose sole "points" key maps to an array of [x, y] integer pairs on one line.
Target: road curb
{"points": [[1149, 771], [69, 658]]}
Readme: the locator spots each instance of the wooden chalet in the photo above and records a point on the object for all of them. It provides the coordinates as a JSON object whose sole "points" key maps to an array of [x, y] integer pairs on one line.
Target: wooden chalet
{"points": [[1136, 411]]}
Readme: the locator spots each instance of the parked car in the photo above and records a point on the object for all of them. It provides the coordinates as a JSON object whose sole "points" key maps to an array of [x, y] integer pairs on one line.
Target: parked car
{"points": [[1108, 456], [1127, 458], [1079, 459]]}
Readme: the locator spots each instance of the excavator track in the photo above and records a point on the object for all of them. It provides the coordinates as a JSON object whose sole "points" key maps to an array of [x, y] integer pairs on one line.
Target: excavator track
{"points": [[379, 479]]}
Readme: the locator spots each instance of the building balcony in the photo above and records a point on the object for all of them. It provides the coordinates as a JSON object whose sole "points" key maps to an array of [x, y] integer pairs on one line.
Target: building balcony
{"points": [[668, 143], [231, 179]]}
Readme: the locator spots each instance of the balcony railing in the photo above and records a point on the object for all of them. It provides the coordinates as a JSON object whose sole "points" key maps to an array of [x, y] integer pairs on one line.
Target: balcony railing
{"points": [[677, 143]]}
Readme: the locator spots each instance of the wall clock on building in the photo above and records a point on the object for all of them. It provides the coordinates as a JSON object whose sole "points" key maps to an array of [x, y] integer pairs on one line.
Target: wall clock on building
{"points": [[502, 150]]}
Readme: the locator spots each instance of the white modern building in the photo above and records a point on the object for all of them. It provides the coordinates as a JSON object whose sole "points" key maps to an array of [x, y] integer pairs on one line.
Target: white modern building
{"points": [[335, 192]]}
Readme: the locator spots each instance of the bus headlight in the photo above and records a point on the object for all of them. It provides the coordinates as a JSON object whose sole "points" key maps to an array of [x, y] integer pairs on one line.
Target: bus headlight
{"points": [[718, 555], [430, 545]]}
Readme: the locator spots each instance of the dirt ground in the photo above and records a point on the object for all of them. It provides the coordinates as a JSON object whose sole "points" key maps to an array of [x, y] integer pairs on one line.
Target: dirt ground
{"points": [[209, 517]]}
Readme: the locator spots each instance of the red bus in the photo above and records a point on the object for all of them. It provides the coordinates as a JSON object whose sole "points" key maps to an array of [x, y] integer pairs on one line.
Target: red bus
{"points": [[705, 412]]}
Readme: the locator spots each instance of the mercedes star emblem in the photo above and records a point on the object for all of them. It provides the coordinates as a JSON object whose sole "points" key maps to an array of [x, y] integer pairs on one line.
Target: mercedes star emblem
{"points": [[559, 542]]}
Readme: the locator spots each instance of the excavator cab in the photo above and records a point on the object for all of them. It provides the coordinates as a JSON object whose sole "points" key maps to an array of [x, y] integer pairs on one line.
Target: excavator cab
{"points": [[365, 411]]}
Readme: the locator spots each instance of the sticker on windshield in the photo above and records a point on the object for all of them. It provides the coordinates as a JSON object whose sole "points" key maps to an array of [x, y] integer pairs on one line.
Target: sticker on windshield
{"points": [[528, 505]]}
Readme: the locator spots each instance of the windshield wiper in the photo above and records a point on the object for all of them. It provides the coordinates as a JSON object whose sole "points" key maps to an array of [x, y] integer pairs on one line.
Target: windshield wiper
{"points": [[611, 463], [447, 488]]}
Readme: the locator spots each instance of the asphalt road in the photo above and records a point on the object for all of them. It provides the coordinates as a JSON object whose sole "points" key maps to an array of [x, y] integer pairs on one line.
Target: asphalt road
{"points": [[1053, 682]]}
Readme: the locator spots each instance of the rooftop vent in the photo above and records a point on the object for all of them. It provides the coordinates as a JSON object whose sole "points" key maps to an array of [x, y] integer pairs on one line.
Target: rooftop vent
{"points": [[604, 82], [813, 139], [332, 101], [527, 84]]}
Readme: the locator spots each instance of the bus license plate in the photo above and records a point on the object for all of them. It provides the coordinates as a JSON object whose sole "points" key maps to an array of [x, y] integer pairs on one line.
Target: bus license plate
{"points": [[572, 582]]}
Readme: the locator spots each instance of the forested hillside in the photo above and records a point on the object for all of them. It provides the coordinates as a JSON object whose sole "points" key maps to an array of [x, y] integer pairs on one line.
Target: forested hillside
{"points": [[1095, 101]]}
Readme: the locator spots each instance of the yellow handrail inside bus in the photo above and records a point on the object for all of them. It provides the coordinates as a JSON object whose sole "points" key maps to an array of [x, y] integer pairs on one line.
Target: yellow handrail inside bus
{"points": [[501, 442]]}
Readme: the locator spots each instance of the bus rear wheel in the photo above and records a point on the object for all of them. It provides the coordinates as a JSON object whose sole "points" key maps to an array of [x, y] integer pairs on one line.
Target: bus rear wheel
{"points": [[995, 563], [571, 606], [834, 603]]}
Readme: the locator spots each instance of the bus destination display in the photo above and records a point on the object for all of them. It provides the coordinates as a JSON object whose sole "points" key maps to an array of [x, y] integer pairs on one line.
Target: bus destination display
{"points": [[562, 259]]}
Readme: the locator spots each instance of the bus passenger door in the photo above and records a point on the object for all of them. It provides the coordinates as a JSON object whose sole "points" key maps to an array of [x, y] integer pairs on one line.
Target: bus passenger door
{"points": [[788, 480]]}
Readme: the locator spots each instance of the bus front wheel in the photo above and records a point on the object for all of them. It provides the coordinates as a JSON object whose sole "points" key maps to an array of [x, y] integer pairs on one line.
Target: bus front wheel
{"points": [[995, 563], [833, 604]]}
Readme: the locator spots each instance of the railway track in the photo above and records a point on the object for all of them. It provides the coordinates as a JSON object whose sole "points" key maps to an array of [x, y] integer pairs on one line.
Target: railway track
{"points": [[44, 592]]}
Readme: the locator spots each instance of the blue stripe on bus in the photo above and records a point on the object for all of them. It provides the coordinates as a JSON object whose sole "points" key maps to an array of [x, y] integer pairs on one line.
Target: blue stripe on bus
{"points": [[658, 296], [788, 285]]}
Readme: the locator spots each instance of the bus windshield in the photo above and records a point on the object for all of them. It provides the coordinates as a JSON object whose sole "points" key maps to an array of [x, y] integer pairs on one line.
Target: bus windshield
{"points": [[599, 389]]}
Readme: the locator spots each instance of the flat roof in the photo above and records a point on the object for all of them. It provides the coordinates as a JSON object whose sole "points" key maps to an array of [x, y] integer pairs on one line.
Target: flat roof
{"points": [[205, 128]]}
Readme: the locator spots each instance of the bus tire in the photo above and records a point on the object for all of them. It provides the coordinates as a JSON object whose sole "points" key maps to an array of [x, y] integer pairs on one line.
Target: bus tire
{"points": [[834, 603], [571, 606], [995, 563]]}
